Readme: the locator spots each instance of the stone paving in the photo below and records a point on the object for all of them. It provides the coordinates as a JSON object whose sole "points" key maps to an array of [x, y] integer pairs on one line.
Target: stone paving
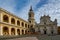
{"points": [[25, 38], [37, 37], [57, 37]]}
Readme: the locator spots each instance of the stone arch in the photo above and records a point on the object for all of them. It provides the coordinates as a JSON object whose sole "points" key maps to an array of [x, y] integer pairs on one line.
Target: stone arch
{"points": [[12, 21], [25, 31], [26, 25], [31, 26], [18, 31], [5, 30], [18, 22], [22, 24], [12, 31], [5, 18], [22, 31], [45, 30]]}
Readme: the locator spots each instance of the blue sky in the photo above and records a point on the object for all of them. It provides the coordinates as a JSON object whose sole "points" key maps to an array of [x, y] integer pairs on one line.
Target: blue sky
{"points": [[21, 8]]}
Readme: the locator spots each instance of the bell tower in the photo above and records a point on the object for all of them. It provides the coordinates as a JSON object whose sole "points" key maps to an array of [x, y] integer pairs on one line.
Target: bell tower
{"points": [[31, 16]]}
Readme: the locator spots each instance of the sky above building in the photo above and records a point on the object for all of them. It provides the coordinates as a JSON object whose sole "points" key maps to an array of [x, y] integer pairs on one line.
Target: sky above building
{"points": [[21, 8]]}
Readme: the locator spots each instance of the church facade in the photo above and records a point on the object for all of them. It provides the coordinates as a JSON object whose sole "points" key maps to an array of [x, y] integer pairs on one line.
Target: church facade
{"points": [[13, 25], [46, 26]]}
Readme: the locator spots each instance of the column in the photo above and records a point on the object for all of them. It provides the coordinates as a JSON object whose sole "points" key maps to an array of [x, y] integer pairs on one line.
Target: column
{"points": [[24, 24], [16, 31], [1, 29], [20, 24], [9, 20], [10, 31], [16, 22], [24, 31], [1, 17], [20, 31]]}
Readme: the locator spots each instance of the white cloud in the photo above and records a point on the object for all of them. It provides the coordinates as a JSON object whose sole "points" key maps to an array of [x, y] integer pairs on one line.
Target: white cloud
{"points": [[52, 8], [24, 12], [8, 5]]}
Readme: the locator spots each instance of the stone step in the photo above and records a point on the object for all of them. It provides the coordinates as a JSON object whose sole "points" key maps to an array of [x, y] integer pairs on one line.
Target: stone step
{"points": [[25, 38]]}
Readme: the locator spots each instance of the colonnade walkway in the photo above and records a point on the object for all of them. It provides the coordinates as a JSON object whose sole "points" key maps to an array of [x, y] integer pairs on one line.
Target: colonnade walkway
{"points": [[31, 37]]}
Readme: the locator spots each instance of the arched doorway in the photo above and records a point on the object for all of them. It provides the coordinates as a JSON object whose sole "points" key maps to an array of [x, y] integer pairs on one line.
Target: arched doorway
{"points": [[5, 31], [22, 31], [25, 31], [12, 31], [44, 31], [18, 31]]}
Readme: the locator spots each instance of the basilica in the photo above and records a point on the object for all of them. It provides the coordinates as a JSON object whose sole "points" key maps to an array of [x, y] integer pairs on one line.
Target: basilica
{"points": [[46, 26], [11, 24]]}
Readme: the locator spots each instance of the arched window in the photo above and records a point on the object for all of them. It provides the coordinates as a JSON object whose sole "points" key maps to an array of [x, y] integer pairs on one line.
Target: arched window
{"points": [[30, 21], [25, 25], [22, 31], [18, 31], [12, 31], [18, 23], [28, 26], [5, 18], [12, 21], [31, 26], [22, 24], [25, 31], [5, 31]]}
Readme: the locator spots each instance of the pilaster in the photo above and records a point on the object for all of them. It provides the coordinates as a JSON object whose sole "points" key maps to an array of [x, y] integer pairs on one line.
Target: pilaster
{"points": [[16, 31], [9, 30]]}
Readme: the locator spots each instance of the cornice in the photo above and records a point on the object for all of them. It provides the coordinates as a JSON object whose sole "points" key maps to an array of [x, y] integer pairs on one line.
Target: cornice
{"points": [[1, 9]]}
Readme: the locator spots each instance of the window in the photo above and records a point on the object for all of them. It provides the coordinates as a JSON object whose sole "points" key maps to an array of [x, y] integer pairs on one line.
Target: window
{"points": [[28, 26], [5, 30], [12, 31], [44, 23], [30, 21], [22, 31], [18, 23], [31, 26], [12, 21], [18, 31], [5, 18], [22, 24], [25, 25]]}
